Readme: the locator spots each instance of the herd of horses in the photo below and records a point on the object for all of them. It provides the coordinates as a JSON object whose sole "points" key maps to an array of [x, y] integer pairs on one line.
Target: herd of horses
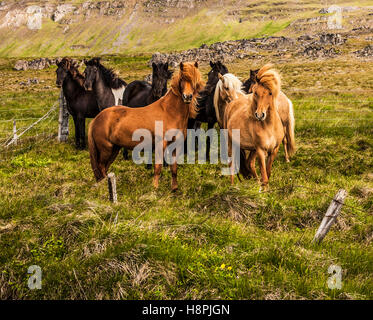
{"points": [[257, 107]]}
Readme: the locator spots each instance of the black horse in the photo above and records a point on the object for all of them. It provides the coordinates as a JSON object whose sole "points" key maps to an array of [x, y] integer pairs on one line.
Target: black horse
{"points": [[105, 84], [250, 82], [80, 103], [141, 93], [206, 110]]}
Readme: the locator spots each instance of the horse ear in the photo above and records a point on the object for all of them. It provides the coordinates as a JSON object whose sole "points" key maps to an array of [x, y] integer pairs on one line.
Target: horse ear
{"points": [[196, 64], [212, 64], [165, 66], [181, 66], [220, 76], [85, 62], [154, 66]]}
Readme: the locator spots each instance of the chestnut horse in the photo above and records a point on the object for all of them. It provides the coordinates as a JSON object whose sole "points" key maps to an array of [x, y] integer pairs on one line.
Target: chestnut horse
{"points": [[113, 128], [261, 129], [285, 111]]}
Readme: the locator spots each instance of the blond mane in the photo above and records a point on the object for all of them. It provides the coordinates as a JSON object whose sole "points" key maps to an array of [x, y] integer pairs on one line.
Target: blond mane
{"points": [[191, 74], [232, 82], [269, 78]]}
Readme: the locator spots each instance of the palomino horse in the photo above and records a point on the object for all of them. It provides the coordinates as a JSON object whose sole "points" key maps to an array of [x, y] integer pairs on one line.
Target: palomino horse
{"points": [[80, 103], [141, 93], [261, 129], [227, 89], [113, 128], [285, 111]]}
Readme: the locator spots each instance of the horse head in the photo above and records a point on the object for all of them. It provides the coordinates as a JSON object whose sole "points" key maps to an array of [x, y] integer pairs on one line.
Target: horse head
{"points": [[160, 76], [63, 68], [216, 68], [249, 83], [187, 84], [91, 73], [265, 91]]}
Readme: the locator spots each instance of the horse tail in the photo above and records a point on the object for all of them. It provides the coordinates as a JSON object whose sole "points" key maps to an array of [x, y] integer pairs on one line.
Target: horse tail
{"points": [[93, 152], [290, 139]]}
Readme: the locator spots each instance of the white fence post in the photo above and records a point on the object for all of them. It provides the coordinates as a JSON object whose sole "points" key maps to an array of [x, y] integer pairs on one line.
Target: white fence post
{"points": [[15, 137], [63, 119], [112, 183], [330, 215]]}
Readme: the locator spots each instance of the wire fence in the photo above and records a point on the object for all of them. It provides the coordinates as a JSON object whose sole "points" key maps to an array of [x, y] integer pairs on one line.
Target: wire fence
{"points": [[26, 132]]}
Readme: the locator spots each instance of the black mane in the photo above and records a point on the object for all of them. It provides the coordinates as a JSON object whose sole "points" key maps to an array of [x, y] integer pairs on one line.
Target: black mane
{"points": [[110, 78]]}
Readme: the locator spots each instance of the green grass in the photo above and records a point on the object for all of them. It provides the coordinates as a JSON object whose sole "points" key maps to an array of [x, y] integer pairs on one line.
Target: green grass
{"points": [[209, 240]]}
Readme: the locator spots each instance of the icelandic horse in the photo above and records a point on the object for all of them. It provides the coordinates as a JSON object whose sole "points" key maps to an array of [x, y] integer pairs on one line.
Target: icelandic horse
{"points": [[261, 129], [113, 128]]}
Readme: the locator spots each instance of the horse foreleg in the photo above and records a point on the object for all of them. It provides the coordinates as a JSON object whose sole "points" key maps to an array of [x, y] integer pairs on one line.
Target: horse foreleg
{"points": [[208, 142], [158, 167], [157, 174], [263, 170], [125, 154], [271, 158], [77, 132], [82, 132], [251, 164], [173, 168]]}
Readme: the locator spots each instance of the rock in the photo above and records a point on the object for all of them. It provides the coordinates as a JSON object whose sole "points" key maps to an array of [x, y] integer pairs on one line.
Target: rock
{"points": [[332, 38], [29, 82], [21, 65], [36, 64], [366, 52], [61, 11]]}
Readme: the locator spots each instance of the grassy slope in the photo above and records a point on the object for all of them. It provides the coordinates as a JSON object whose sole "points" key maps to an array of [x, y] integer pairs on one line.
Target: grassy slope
{"points": [[149, 32], [208, 240]]}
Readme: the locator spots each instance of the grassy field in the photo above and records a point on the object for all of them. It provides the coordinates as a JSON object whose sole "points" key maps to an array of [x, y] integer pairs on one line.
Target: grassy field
{"points": [[209, 240]]}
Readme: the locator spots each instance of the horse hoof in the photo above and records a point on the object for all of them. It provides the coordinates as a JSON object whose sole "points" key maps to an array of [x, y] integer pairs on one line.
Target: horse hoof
{"points": [[263, 189], [174, 189]]}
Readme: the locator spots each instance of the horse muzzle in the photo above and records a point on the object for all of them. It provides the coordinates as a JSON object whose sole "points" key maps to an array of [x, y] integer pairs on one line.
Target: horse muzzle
{"points": [[260, 116], [187, 98]]}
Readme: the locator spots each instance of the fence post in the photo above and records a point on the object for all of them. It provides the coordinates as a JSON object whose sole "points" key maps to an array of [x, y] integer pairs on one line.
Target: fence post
{"points": [[15, 136], [330, 215], [112, 183], [63, 119]]}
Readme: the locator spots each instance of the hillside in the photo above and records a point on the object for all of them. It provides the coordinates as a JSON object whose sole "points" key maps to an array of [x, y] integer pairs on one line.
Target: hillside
{"points": [[51, 28]]}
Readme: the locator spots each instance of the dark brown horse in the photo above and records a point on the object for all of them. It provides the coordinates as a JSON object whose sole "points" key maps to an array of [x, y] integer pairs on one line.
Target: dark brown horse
{"points": [[113, 128], [80, 103], [104, 83], [141, 93], [206, 110]]}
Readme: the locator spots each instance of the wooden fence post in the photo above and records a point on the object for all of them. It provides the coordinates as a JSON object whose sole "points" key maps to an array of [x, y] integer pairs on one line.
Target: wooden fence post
{"points": [[112, 183], [330, 215], [15, 136], [63, 119]]}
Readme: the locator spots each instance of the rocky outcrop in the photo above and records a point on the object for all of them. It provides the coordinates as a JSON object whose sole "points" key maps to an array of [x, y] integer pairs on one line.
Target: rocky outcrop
{"points": [[322, 46], [315, 51], [36, 64], [225, 51], [366, 52]]}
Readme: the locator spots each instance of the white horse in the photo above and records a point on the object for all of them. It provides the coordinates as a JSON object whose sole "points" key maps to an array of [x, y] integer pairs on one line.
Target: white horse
{"points": [[228, 88]]}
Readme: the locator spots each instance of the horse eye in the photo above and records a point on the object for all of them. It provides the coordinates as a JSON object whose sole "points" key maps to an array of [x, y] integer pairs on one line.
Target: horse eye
{"points": [[270, 93]]}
